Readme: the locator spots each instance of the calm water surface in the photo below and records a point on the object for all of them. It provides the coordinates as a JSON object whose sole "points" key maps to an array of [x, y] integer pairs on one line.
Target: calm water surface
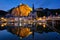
{"points": [[5, 35]]}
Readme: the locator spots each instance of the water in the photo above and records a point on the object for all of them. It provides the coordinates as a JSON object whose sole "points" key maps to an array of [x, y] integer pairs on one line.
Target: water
{"points": [[5, 35], [40, 33]]}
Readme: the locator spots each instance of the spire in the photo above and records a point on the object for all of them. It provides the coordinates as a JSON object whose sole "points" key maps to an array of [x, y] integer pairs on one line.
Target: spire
{"points": [[33, 7], [33, 12]]}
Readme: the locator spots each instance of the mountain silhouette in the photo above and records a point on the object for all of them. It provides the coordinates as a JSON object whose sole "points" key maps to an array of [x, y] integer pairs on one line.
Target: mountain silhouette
{"points": [[3, 13]]}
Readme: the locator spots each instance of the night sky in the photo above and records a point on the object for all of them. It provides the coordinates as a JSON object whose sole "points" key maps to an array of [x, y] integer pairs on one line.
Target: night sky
{"points": [[8, 4]]}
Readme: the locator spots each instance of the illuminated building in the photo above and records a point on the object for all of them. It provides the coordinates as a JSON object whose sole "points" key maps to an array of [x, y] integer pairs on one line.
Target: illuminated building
{"points": [[22, 10], [33, 13]]}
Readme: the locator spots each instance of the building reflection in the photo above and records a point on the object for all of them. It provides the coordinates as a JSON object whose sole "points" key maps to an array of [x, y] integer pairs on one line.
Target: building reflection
{"points": [[22, 22], [26, 28]]}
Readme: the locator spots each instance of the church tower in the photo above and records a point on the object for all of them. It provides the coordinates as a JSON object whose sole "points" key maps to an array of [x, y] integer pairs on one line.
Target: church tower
{"points": [[33, 12]]}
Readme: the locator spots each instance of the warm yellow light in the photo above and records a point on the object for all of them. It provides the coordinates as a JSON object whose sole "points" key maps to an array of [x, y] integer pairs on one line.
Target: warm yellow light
{"points": [[25, 10], [5, 23], [2, 18], [44, 25], [24, 32], [44, 16], [39, 18], [5, 19], [40, 23], [2, 25], [22, 10]]}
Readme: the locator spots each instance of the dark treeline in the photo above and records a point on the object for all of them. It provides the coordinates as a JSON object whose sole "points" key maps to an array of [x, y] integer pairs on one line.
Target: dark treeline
{"points": [[3, 13], [40, 12], [47, 12]]}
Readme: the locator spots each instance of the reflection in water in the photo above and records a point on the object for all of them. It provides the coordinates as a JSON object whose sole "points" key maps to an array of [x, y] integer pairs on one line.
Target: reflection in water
{"points": [[22, 32], [25, 31], [5, 35]]}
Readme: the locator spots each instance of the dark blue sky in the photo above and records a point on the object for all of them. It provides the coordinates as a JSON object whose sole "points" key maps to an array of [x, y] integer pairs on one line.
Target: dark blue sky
{"points": [[8, 4]]}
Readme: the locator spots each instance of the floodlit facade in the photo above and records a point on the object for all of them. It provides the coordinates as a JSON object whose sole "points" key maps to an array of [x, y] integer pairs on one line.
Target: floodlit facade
{"points": [[22, 10]]}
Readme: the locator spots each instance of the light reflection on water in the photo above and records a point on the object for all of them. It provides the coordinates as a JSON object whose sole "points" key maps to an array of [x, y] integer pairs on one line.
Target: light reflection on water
{"points": [[44, 33], [5, 35]]}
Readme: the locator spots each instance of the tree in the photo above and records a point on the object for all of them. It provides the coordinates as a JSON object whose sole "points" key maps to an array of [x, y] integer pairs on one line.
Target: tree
{"points": [[3, 13]]}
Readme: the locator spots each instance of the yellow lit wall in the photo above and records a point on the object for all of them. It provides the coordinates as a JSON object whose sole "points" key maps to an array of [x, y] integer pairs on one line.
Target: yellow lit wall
{"points": [[22, 10]]}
